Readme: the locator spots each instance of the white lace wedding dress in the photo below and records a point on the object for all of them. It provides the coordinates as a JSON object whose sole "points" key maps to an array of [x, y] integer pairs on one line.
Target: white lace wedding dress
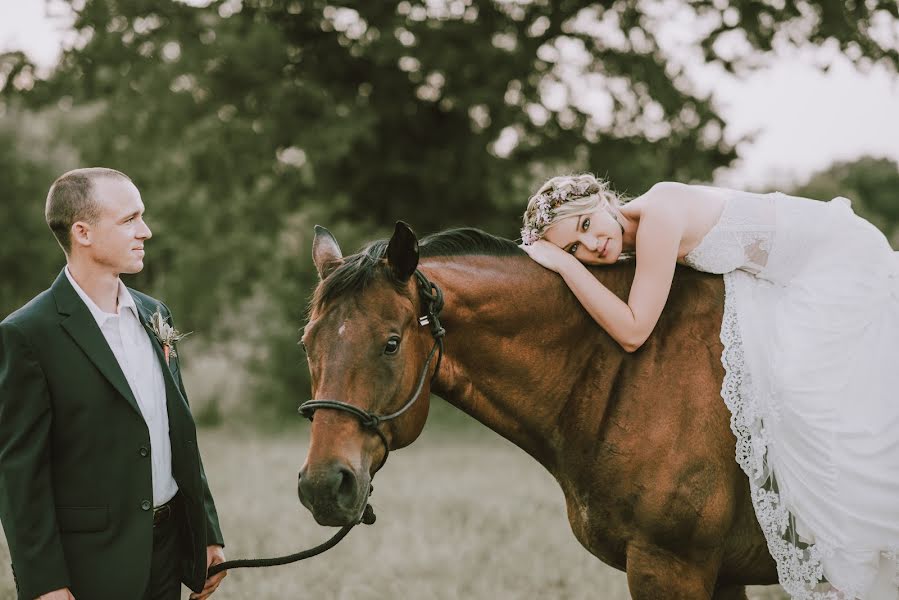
{"points": [[811, 358]]}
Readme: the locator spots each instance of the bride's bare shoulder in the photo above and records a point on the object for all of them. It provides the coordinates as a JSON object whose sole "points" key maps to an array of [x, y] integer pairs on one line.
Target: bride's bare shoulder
{"points": [[685, 196], [673, 190], [699, 206]]}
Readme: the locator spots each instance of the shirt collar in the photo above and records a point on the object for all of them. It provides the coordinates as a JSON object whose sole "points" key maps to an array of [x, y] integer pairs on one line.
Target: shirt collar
{"points": [[100, 316]]}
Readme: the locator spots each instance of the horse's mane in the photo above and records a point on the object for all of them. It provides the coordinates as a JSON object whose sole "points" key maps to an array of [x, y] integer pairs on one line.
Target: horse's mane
{"points": [[467, 241], [360, 269]]}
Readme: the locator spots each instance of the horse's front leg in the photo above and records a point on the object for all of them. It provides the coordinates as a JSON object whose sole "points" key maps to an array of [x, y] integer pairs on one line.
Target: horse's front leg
{"points": [[655, 573]]}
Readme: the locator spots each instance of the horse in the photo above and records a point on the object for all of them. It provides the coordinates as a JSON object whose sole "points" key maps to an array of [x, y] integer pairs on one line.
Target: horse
{"points": [[640, 442]]}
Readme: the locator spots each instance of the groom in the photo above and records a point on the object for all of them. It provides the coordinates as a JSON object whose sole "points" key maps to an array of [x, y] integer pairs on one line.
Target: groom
{"points": [[102, 492]]}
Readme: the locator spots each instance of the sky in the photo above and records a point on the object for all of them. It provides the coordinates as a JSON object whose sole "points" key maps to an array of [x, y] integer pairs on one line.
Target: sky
{"points": [[803, 119]]}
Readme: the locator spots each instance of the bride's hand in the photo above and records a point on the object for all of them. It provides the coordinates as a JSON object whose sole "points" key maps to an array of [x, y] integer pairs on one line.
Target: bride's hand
{"points": [[548, 255]]}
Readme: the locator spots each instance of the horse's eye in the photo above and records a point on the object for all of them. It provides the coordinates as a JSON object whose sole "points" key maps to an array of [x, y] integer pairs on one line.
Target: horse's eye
{"points": [[393, 345]]}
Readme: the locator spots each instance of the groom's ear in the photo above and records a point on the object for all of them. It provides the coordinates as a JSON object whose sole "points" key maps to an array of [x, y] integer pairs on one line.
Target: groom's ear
{"points": [[402, 252], [325, 252]]}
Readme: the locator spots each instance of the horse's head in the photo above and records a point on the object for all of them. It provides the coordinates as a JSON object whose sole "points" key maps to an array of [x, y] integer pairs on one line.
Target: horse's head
{"points": [[371, 360]]}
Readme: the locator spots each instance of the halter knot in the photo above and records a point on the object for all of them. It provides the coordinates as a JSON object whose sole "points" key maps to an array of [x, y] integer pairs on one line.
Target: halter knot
{"points": [[370, 421]]}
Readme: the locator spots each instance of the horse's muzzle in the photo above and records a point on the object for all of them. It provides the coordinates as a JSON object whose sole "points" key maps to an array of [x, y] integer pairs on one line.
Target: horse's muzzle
{"points": [[333, 493]]}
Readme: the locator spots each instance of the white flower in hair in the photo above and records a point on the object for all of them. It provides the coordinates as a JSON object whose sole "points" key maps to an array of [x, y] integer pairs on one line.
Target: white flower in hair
{"points": [[544, 203], [544, 206], [558, 194], [544, 213], [529, 235]]}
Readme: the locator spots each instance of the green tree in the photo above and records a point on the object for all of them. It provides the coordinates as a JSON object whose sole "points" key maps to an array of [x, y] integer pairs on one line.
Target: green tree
{"points": [[245, 121], [30, 159]]}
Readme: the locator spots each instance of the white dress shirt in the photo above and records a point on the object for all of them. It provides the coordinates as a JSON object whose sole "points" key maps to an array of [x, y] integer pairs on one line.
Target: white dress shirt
{"points": [[130, 343]]}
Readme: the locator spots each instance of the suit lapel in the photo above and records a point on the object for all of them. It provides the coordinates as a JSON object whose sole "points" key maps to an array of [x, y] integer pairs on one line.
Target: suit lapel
{"points": [[171, 388], [144, 315], [82, 327]]}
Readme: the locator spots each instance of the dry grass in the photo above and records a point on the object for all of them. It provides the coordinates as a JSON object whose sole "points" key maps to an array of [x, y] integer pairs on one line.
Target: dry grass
{"points": [[461, 514]]}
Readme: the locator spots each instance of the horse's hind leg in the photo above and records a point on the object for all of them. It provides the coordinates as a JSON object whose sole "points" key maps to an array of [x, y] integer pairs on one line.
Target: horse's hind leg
{"points": [[656, 574], [730, 592]]}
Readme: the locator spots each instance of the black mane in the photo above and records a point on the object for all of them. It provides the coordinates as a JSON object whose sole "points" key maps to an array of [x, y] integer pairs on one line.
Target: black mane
{"points": [[467, 241], [360, 269]]}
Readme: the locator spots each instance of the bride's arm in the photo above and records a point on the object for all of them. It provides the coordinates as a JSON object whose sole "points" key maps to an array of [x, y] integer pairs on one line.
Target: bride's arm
{"points": [[658, 240]]}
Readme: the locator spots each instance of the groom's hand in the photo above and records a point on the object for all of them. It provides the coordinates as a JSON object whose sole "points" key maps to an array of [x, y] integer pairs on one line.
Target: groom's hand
{"points": [[214, 556], [63, 594]]}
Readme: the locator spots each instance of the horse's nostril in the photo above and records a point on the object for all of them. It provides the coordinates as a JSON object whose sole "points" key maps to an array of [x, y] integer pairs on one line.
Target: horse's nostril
{"points": [[345, 487], [301, 484]]}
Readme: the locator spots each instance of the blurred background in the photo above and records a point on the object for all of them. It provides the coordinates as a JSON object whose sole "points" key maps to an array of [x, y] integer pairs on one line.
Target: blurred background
{"points": [[246, 122]]}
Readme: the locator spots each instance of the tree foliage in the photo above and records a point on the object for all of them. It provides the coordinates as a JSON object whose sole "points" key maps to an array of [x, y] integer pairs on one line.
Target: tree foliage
{"points": [[30, 159], [244, 122]]}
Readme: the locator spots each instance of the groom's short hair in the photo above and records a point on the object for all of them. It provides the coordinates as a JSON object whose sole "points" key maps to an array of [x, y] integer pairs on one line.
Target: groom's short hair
{"points": [[71, 199]]}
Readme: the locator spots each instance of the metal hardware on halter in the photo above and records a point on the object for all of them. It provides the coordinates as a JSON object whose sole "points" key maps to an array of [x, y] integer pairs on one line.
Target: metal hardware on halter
{"points": [[424, 320]]}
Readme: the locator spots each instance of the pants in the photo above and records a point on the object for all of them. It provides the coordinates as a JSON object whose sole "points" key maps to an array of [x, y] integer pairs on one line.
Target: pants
{"points": [[165, 579]]}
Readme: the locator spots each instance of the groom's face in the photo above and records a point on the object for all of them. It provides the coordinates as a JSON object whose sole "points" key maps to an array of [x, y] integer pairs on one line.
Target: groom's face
{"points": [[117, 239]]}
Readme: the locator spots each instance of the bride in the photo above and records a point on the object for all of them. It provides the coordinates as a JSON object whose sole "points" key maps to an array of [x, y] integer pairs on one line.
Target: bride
{"points": [[811, 352]]}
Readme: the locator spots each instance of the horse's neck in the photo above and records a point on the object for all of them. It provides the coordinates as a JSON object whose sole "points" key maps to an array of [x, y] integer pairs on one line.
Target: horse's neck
{"points": [[517, 347]]}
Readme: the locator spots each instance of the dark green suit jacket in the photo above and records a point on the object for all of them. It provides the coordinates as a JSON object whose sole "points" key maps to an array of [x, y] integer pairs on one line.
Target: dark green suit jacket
{"points": [[75, 472]]}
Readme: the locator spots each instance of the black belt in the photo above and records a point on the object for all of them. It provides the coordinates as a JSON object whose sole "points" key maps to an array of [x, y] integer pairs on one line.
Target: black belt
{"points": [[163, 513]]}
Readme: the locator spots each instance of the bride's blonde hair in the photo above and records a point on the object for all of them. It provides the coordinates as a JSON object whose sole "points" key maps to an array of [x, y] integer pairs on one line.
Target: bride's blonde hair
{"points": [[565, 196]]}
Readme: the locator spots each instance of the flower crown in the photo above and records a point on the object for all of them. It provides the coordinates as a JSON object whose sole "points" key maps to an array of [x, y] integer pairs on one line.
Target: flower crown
{"points": [[536, 221]]}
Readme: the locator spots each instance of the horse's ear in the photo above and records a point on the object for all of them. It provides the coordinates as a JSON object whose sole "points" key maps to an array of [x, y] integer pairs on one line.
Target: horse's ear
{"points": [[325, 252], [402, 252]]}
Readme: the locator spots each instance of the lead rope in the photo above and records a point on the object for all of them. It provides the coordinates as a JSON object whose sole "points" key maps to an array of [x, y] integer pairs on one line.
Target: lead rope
{"points": [[368, 517], [434, 299]]}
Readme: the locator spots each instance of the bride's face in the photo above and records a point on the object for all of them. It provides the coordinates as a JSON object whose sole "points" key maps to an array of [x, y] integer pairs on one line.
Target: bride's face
{"points": [[593, 238]]}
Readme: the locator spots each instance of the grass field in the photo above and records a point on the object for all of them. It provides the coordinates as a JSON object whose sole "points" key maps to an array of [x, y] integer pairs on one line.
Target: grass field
{"points": [[461, 514]]}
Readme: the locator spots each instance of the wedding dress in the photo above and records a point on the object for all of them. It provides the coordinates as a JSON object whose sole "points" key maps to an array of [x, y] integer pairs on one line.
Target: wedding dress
{"points": [[811, 359]]}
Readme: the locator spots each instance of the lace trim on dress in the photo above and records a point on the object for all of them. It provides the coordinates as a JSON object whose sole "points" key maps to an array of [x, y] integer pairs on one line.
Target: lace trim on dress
{"points": [[741, 239], [799, 567]]}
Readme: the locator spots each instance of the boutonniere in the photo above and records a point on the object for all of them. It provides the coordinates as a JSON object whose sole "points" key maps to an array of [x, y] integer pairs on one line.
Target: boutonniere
{"points": [[166, 334]]}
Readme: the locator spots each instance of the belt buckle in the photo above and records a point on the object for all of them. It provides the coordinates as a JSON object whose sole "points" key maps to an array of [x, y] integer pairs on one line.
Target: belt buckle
{"points": [[162, 513]]}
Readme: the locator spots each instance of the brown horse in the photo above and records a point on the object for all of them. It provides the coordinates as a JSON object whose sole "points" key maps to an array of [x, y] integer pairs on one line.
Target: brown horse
{"points": [[640, 443]]}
